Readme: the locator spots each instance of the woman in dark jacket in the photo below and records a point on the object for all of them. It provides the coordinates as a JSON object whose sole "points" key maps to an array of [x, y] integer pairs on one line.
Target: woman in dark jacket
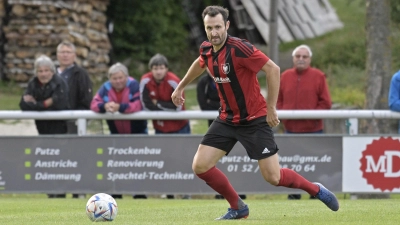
{"points": [[46, 92]]}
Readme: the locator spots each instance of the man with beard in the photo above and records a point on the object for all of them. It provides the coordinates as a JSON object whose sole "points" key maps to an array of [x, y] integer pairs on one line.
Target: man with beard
{"points": [[245, 115]]}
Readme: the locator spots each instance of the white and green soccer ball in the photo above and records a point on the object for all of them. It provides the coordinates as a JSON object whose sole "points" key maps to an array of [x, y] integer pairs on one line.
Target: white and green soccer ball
{"points": [[101, 207]]}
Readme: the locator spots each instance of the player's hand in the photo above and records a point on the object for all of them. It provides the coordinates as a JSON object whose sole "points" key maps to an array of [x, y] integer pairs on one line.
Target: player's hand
{"points": [[272, 117], [177, 97]]}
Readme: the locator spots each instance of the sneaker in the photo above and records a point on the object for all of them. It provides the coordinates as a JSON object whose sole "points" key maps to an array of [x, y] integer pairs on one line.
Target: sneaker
{"points": [[327, 197], [233, 214]]}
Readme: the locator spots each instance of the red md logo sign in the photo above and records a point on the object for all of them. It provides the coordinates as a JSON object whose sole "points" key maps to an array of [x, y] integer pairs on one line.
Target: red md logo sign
{"points": [[380, 164]]}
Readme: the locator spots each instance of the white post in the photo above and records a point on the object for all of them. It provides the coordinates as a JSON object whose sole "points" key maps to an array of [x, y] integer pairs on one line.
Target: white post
{"points": [[81, 126], [353, 126], [352, 129]]}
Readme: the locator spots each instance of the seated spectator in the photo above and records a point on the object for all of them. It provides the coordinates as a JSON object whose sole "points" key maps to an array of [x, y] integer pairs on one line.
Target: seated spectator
{"points": [[120, 94], [46, 92]]}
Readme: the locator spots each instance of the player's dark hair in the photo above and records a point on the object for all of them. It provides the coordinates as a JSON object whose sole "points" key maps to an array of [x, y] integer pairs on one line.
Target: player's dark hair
{"points": [[214, 10], [158, 60]]}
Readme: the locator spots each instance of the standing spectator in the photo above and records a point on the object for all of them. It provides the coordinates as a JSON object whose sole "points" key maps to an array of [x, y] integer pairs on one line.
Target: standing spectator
{"points": [[120, 94], [303, 87], [46, 92], [394, 94], [207, 94], [156, 88], [77, 79], [79, 85]]}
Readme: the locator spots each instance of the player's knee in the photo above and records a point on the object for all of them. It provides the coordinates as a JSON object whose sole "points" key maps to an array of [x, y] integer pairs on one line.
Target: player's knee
{"points": [[274, 180], [198, 168]]}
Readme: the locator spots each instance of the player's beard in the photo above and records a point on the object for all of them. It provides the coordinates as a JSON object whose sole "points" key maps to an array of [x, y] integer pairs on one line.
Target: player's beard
{"points": [[218, 40]]}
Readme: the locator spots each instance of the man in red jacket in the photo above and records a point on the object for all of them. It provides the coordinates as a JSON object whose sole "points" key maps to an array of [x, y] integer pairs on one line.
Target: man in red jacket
{"points": [[303, 88], [156, 88]]}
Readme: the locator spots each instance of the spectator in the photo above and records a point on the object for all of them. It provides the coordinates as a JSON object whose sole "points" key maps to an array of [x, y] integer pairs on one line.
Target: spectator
{"points": [[303, 87], [77, 79], [207, 94], [156, 88], [78, 82], [120, 94], [394, 94], [46, 92]]}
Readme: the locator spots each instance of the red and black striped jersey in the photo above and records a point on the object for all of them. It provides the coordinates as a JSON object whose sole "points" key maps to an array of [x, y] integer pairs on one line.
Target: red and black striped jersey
{"points": [[234, 68]]}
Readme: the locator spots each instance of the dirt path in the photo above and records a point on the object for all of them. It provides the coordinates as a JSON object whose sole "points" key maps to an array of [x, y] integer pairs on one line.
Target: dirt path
{"points": [[17, 128]]}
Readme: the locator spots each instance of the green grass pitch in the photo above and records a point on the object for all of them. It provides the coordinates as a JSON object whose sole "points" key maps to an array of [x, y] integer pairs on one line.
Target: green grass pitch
{"points": [[39, 210]]}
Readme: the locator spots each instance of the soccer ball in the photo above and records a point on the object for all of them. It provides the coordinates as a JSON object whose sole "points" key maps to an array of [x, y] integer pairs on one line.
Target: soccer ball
{"points": [[101, 207]]}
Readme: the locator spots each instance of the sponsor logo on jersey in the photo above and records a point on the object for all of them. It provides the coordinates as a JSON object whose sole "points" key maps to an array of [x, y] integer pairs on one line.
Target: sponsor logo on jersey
{"points": [[221, 80], [225, 68]]}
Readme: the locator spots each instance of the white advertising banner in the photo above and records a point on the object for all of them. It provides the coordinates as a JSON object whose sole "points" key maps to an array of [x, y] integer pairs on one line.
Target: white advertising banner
{"points": [[371, 164]]}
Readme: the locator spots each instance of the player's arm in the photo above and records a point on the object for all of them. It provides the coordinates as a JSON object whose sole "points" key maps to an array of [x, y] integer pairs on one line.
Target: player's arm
{"points": [[194, 71], [272, 72]]}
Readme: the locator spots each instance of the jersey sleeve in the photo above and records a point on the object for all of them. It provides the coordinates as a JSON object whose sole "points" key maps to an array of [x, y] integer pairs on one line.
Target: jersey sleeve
{"points": [[256, 60], [204, 47], [248, 55]]}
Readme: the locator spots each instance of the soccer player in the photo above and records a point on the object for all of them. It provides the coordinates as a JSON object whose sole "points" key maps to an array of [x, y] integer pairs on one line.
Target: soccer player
{"points": [[245, 116]]}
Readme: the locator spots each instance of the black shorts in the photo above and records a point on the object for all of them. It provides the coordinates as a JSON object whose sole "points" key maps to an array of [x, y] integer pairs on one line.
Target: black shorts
{"points": [[256, 137]]}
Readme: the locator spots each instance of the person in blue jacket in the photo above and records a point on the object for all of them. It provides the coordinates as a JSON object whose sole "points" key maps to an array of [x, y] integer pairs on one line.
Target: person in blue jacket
{"points": [[394, 94]]}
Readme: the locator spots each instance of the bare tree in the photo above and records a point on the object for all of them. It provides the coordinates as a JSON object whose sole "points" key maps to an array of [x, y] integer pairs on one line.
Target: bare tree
{"points": [[378, 63]]}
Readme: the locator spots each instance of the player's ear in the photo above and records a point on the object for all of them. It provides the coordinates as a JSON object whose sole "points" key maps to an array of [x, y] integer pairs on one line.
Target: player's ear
{"points": [[227, 24]]}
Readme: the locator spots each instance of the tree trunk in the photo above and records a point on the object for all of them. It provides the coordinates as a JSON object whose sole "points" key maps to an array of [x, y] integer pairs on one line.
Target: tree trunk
{"points": [[2, 13], [378, 68], [378, 63]]}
